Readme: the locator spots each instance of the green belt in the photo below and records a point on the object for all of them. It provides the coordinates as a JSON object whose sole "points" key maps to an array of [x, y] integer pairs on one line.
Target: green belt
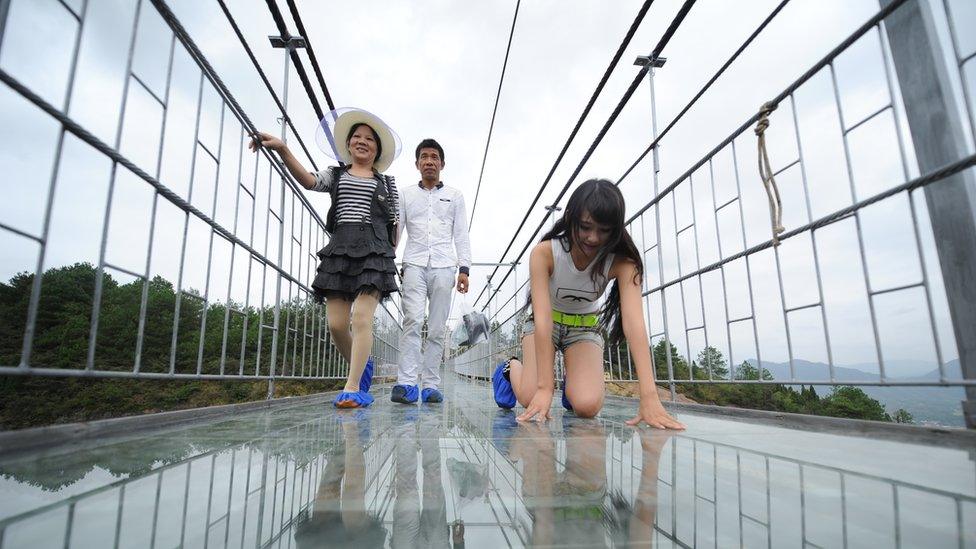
{"points": [[576, 321]]}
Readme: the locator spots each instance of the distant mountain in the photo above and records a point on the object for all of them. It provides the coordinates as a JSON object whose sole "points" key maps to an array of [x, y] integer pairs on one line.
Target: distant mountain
{"points": [[939, 405]]}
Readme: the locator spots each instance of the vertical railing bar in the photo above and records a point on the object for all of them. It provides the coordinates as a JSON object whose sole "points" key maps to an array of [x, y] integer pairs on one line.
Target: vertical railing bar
{"points": [[857, 224], [681, 286], [186, 227], [144, 303], [155, 519], [813, 235], [233, 249], [35, 297], [247, 494], [885, 48], [107, 216], [701, 292], [803, 508], [738, 479], [206, 529], [118, 517], [186, 499], [843, 510], [213, 215], [210, 247], [230, 495], [752, 299], [69, 523], [960, 62], [721, 256], [769, 508], [786, 316], [894, 495]]}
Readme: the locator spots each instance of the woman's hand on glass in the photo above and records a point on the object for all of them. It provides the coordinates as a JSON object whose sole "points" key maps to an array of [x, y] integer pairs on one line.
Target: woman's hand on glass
{"points": [[539, 407], [266, 140], [654, 414]]}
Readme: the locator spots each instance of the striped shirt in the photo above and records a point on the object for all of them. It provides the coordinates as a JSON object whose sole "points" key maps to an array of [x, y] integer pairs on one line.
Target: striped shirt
{"points": [[355, 196]]}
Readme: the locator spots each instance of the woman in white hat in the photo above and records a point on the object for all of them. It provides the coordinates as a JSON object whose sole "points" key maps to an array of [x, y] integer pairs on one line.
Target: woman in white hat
{"points": [[357, 269]]}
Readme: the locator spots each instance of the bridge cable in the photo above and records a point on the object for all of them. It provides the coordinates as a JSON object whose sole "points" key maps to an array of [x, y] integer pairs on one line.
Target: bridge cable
{"points": [[586, 111], [665, 38], [704, 88], [264, 78], [494, 111], [311, 53], [810, 73]]}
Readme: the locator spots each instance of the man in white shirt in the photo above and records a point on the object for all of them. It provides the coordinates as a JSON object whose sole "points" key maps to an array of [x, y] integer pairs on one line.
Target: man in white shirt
{"points": [[437, 227]]}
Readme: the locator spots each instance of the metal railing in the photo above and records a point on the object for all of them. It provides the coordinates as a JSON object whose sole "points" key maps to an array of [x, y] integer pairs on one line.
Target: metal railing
{"points": [[232, 493], [157, 247], [859, 265]]}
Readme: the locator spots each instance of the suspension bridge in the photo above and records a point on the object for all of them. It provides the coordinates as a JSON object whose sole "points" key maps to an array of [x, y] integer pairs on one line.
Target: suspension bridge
{"points": [[828, 220]]}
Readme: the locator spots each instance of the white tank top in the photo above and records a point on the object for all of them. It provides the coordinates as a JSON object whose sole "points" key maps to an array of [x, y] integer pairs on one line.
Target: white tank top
{"points": [[572, 290]]}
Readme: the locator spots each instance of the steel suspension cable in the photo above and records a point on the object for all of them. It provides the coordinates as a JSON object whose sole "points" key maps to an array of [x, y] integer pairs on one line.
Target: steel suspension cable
{"points": [[311, 53], [494, 111], [295, 59], [810, 73], [656, 52], [705, 88], [264, 78], [586, 111]]}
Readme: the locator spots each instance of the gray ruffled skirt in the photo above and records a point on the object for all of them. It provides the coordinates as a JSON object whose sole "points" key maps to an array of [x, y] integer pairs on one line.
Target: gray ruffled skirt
{"points": [[355, 261]]}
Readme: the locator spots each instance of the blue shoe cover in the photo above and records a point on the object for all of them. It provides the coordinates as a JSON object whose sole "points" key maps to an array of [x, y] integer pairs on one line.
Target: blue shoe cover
{"points": [[502, 388], [566, 403], [366, 381], [431, 395], [405, 394], [358, 399]]}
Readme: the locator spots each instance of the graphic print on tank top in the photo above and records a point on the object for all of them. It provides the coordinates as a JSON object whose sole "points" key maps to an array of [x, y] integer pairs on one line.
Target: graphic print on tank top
{"points": [[576, 295]]}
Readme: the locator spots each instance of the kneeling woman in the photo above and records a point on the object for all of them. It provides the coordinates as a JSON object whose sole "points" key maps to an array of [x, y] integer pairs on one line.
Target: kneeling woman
{"points": [[357, 269], [568, 272]]}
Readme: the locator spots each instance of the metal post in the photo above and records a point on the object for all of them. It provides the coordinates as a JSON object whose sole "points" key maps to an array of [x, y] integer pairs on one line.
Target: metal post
{"points": [[655, 63], [287, 43], [938, 136]]}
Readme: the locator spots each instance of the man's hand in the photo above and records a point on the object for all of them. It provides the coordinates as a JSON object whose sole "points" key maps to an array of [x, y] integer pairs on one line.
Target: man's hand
{"points": [[462, 283]]}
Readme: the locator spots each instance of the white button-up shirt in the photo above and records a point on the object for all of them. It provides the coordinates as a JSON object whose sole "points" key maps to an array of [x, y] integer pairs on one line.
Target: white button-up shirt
{"points": [[437, 226]]}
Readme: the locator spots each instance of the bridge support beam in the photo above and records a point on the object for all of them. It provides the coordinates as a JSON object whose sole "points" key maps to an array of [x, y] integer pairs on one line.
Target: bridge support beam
{"points": [[938, 136]]}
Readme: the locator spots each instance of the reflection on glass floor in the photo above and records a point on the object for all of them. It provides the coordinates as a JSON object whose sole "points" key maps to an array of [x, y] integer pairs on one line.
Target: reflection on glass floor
{"points": [[464, 473]]}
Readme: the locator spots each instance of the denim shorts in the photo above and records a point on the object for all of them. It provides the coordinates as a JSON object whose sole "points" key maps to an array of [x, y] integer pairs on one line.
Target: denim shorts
{"points": [[564, 336]]}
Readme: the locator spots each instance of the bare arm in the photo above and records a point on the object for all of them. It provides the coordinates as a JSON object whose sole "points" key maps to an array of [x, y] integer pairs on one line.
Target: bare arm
{"points": [[632, 314], [540, 270], [268, 141]]}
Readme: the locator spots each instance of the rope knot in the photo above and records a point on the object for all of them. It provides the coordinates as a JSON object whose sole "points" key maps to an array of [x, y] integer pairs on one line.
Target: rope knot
{"points": [[766, 172]]}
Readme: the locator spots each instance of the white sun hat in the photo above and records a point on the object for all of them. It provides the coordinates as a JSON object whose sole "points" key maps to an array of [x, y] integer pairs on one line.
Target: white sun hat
{"points": [[331, 134]]}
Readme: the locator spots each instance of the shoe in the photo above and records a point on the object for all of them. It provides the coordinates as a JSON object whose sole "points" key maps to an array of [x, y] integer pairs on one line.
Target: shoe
{"points": [[359, 399], [566, 403], [366, 381], [431, 395], [502, 387], [404, 394]]}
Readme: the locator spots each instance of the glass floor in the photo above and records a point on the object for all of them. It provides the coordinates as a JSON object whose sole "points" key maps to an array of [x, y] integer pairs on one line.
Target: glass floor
{"points": [[465, 473]]}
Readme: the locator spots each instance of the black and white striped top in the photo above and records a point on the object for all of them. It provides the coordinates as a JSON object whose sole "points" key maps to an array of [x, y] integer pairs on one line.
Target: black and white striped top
{"points": [[355, 195]]}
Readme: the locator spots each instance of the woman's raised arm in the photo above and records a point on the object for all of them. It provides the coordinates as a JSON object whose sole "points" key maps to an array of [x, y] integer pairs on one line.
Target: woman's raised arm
{"points": [[268, 141]]}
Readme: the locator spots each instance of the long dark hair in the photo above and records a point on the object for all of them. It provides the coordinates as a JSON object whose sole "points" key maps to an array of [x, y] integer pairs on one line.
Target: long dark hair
{"points": [[605, 204]]}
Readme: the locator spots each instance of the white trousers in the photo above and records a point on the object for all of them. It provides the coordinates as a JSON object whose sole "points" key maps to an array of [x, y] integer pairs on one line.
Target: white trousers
{"points": [[420, 286]]}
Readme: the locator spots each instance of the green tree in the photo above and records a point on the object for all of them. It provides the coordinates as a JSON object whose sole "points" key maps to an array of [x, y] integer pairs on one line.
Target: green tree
{"points": [[903, 416], [712, 359], [852, 402]]}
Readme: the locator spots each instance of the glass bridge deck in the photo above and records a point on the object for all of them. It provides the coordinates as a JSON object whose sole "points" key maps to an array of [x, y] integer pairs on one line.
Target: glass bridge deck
{"points": [[464, 473]]}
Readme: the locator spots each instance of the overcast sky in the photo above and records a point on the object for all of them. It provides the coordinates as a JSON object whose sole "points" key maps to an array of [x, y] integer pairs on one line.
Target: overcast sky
{"points": [[431, 69]]}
